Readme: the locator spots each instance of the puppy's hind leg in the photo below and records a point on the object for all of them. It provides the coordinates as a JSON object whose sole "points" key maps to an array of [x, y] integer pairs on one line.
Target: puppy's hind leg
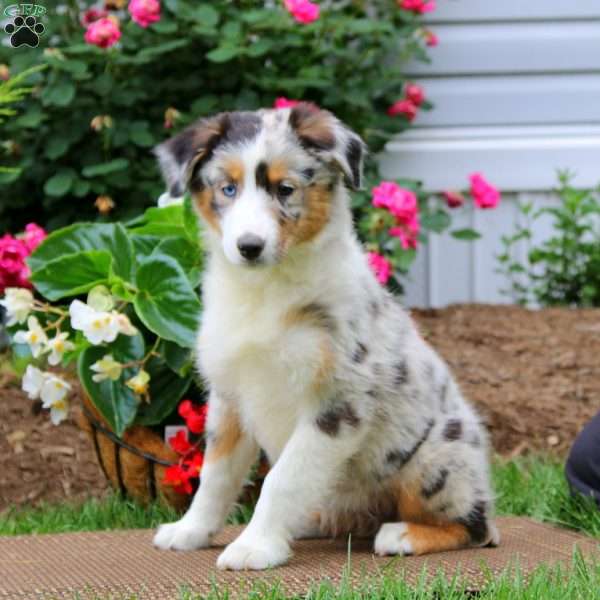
{"points": [[229, 455]]}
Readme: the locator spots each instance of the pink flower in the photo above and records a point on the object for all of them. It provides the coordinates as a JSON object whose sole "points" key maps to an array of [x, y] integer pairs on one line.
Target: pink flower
{"points": [[485, 195], [91, 15], [380, 266], [283, 102], [407, 232], [303, 11], [415, 94], [144, 12], [13, 270], [431, 39], [453, 199], [34, 235], [103, 33], [417, 6], [405, 107], [398, 201]]}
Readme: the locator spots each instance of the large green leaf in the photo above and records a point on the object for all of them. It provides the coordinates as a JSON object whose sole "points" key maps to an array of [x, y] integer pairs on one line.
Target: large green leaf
{"points": [[186, 253], [59, 184], [166, 301], [166, 390], [111, 237], [105, 168], [72, 274], [178, 359], [167, 221], [113, 399]]}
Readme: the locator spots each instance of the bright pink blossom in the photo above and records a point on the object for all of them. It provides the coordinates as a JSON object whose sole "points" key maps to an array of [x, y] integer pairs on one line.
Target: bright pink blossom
{"points": [[404, 107], [283, 102], [485, 195], [417, 6], [103, 33], [380, 266], [303, 11], [407, 232], [14, 272], [400, 202], [431, 39], [34, 235], [453, 199], [415, 94], [144, 12], [91, 15]]}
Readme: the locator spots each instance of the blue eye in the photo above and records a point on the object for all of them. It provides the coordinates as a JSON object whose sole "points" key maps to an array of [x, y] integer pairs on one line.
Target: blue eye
{"points": [[229, 190]]}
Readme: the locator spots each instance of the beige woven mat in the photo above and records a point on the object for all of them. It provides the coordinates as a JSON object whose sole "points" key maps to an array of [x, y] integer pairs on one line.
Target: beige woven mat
{"points": [[115, 563]]}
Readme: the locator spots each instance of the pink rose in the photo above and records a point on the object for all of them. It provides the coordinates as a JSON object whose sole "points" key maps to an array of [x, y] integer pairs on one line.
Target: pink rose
{"points": [[415, 94], [380, 266], [453, 199], [34, 235], [398, 201], [144, 12], [431, 39], [283, 102], [91, 15], [13, 253], [485, 195], [103, 33], [303, 11], [405, 107], [417, 6], [407, 232]]}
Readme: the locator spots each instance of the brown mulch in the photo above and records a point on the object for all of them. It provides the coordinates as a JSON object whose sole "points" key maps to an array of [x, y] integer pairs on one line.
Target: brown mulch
{"points": [[534, 375]]}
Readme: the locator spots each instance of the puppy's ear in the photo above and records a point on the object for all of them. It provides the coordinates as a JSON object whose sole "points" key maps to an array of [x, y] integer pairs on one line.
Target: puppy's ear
{"points": [[180, 156], [328, 138]]}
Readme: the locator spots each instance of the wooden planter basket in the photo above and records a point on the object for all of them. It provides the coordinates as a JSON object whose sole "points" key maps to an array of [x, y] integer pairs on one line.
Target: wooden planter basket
{"points": [[135, 465]]}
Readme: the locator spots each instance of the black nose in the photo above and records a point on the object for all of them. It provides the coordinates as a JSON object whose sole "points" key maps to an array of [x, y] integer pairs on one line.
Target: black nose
{"points": [[250, 246]]}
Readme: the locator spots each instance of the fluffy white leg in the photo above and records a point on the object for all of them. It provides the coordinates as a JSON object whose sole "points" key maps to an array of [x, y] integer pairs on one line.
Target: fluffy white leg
{"points": [[293, 490], [220, 483], [392, 539]]}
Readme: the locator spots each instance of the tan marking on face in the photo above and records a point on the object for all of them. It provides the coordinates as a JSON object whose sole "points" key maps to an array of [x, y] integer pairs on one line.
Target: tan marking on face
{"points": [[234, 169], [204, 203], [312, 221], [277, 171], [227, 436]]}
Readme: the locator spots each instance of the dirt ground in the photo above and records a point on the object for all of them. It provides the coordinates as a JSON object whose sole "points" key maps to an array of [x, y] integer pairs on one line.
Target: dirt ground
{"points": [[534, 375]]}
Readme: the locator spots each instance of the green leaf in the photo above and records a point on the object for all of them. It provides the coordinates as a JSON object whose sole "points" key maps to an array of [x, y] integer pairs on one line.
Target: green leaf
{"points": [[140, 135], [113, 399], [72, 240], [186, 253], [178, 359], [105, 168], [166, 390], [9, 175], [465, 234], [437, 221], [223, 53], [72, 274], [56, 147], [206, 15], [166, 301], [191, 223], [59, 94], [167, 221], [59, 184]]}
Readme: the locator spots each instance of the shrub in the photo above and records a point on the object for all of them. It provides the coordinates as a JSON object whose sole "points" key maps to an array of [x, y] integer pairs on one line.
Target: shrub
{"points": [[564, 269]]}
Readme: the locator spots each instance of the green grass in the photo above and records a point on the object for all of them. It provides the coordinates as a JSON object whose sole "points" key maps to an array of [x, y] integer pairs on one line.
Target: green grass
{"points": [[532, 487]]}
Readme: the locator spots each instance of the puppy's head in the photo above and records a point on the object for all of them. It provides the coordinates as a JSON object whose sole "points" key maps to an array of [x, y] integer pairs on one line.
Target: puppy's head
{"points": [[263, 181]]}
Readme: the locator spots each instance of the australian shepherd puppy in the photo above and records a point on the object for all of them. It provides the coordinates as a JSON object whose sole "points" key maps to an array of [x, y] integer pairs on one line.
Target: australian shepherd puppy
{"points": [[310, 359]]}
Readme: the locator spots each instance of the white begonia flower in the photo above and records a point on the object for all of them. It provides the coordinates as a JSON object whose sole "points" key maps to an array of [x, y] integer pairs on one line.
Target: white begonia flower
{"points": [[106, 368], [57, 346], [99, 326], [139, 383], [32, 382], [54, 396], [100, 298], [35, 337], [18, 303]]}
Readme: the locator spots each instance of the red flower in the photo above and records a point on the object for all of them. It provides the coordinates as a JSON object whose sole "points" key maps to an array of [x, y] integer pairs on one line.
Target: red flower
{"points": [[431, 39], [453, 199], [179, 443], [194, 466], [91, 15], [418, 7], [195, 416], [405, 107], [415, 94], [179, 478], [485, 195]]}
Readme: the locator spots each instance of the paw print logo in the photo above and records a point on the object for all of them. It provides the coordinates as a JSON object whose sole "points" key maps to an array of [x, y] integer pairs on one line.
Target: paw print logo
{"points": [[24, 31]]}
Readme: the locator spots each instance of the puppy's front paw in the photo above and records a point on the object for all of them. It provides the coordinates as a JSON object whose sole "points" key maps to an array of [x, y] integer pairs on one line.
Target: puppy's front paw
{"points": [[254, 553], [181, 535]]}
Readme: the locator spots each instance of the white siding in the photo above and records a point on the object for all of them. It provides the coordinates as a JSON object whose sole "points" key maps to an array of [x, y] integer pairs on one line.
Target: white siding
{"points": [[516, 89]]}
